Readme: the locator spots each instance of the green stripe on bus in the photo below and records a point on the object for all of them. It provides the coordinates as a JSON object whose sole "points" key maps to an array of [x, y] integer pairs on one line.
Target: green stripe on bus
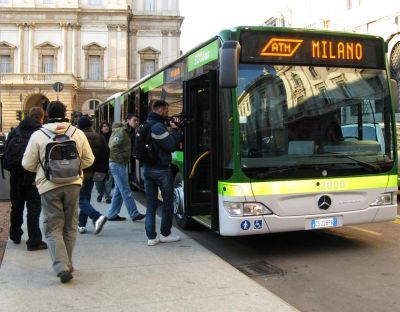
{"points": [[153, 83], [112, 103], [306, 186], [203, 56]]}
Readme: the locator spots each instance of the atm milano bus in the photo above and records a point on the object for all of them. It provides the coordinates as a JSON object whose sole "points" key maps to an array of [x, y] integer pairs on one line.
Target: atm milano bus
{"points": [[291, 130]]}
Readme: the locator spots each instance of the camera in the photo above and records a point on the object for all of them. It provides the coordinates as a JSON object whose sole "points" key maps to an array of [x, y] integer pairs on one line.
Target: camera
{"points": [[180, 120]]}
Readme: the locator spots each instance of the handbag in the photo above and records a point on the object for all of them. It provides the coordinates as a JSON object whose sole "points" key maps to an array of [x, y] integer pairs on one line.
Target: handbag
{"points": [[99, 176]]}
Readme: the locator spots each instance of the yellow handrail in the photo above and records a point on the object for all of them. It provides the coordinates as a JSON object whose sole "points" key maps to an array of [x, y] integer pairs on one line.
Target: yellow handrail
{"points": [[197, 162]]}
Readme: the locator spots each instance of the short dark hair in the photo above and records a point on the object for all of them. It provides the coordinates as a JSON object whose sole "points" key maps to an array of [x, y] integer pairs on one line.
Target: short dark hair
{"points": [[37, 113], [130, 116], [159, 103], [56, 109]]}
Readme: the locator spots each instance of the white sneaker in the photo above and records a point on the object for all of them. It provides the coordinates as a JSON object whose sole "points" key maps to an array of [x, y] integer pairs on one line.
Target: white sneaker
{"points": [[82, 229], [99, 224], [152, 242], [170, 238]]}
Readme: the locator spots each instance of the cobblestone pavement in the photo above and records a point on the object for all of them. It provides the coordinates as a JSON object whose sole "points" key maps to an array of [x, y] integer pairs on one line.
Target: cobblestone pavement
{"points": [[5, 207]]}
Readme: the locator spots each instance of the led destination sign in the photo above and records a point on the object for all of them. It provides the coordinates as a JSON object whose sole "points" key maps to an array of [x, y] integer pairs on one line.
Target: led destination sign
{"points": [[310, 49]]}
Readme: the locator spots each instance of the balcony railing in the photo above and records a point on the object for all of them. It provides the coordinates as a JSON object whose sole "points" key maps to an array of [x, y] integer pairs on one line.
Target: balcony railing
{"points": [[39, 79], [49, 79]]}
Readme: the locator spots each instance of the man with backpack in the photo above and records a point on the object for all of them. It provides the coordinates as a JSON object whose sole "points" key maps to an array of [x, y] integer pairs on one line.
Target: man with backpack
{"points": [[22, 182], [157, 171], [57, 153]]}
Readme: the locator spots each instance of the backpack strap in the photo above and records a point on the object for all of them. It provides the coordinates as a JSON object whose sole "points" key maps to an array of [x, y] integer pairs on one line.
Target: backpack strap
{"points": [[48, 133], [70, 129]]}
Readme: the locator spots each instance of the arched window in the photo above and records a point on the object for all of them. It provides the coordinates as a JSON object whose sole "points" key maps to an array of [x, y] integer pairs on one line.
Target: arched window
{"points": [[93, 104]]}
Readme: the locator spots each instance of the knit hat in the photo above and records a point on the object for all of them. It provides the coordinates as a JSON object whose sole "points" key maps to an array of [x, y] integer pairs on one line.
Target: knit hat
{"points": [[84, 122]]}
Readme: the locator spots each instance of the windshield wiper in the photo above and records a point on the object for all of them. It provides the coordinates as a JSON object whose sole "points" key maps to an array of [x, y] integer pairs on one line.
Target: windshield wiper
{"points": [[364, 164]]}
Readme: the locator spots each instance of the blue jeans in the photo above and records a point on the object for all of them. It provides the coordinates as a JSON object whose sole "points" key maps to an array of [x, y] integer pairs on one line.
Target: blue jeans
{"points": [[154, 179], [104, 187], [122, 192], [86, 209]]}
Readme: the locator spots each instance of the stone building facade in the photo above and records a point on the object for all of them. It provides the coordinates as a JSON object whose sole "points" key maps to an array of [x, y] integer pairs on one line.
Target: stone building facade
{"points": [[95, 48]]}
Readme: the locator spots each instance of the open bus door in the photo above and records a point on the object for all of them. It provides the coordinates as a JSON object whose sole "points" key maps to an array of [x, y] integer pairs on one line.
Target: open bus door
{"points": [[200, 152]]}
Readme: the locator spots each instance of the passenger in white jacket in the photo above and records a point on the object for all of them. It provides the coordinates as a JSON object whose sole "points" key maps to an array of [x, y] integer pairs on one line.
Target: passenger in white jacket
{"points": [[59, 200]]}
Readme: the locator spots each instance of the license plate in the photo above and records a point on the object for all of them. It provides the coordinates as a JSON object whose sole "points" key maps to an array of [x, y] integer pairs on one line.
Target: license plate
{"points": [[323, 223]]}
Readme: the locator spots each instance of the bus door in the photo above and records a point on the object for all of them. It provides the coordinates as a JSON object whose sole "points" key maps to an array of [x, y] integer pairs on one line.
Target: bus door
{"points": [[200, 157]]}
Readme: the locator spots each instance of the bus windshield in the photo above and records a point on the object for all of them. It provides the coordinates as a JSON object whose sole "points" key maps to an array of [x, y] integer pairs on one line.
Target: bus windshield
{"points": [[309, 121]]}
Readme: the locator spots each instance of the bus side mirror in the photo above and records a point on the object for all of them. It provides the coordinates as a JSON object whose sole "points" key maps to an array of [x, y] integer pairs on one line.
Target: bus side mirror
{"points": [[229, 63], [395, 92]]}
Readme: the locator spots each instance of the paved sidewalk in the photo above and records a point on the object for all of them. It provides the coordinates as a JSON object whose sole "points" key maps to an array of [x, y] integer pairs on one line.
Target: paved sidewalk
{"points": [[117, 271]]}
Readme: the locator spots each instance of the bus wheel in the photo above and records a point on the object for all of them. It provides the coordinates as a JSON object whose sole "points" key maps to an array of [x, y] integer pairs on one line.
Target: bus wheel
{"points": [[178, 201]]}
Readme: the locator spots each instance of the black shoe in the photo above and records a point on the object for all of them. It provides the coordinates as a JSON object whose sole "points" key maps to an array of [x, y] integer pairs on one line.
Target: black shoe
{"points": [[40, 246], [108, 200], [65, 276], [16, 240], [139, 217], [99, 198], [117, 218]]}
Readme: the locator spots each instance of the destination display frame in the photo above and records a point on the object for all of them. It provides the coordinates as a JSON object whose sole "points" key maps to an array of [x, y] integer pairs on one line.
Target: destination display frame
{"points": [[316, 49]]}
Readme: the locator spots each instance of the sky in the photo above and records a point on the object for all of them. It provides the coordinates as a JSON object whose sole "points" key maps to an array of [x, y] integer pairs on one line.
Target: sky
{"points": [[205, 18]]}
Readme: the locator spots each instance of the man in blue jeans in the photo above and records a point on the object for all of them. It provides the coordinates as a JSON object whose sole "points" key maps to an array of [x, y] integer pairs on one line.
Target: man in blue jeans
{"points": [[120, 154], [159, 175]]}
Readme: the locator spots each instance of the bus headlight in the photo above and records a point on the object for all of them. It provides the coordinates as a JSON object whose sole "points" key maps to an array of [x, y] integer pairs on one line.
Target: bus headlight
{"points": [[246, 209], [255, 209], [383, 199]]}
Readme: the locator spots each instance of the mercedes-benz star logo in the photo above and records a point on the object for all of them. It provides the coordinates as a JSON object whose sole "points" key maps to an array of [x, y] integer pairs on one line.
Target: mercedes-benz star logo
{"points": [[324, 202]]}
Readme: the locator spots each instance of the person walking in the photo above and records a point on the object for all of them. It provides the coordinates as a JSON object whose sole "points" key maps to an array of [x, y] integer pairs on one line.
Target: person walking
{"points": [[59, 199], [104, 187], [120, 154], [159, 175], [22, 183], [100, 167]]}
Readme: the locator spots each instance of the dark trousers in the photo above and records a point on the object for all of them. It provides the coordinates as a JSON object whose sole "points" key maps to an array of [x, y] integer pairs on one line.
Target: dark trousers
{"points": [[23, 191], [86, 209]]}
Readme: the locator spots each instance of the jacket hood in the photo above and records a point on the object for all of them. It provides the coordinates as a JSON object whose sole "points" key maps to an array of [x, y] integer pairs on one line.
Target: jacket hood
{"points": [[57, 127], [117, 124], [29, 124]]}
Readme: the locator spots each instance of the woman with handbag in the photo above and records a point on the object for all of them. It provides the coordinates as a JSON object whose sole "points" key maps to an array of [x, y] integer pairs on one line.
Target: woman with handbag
{"points": [[104, 187], [97, 172]]}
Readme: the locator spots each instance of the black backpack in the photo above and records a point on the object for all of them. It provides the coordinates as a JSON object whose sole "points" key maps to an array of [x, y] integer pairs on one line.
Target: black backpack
{"points": [[145, 149], [15, 149]]}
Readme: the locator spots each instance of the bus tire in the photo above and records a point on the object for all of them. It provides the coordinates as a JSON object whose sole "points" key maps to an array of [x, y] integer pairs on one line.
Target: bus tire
{"points": [[181, 218]]}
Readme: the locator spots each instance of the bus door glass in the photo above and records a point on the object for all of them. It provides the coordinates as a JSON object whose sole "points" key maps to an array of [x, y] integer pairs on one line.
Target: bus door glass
{"points": [[199, 145]]}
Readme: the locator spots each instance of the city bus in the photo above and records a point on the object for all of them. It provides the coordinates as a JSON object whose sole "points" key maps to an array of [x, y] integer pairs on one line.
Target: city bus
{"points": [[277, 136]]}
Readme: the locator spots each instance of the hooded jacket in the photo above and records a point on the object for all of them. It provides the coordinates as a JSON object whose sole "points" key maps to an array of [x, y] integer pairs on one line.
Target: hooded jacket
{"points": [[100, 151], [37, 146], [119, 144]]}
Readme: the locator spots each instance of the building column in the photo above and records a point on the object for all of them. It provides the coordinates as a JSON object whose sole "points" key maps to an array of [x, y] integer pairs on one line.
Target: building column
{"points": [[132, 62], [112, 55], [122, 57], [77, 51], [164, 51], [64, 53], [31, 39], [21, 47]]}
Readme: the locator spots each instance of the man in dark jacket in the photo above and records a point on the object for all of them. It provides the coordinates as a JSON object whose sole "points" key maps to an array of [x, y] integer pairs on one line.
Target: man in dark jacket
{"points": [[101, 153], [23, 189], [159, 175]]}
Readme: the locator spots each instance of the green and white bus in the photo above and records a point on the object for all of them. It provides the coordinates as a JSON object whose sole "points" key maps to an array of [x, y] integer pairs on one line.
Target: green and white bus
{"points": [[266, 150]]}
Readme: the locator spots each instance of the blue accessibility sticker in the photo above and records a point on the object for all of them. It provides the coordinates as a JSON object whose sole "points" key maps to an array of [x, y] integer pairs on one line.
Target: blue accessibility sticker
{"points": [[257, 224], [245, 225]]}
